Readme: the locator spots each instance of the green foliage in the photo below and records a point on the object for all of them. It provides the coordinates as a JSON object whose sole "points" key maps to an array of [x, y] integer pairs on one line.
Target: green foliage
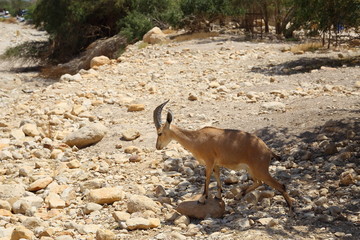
{"points": [[135, 25], [73, 25], [26, 51], [209, 8]]}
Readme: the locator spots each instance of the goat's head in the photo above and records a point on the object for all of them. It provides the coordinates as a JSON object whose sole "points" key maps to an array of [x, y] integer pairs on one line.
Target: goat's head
{"points": [[163, 132]]}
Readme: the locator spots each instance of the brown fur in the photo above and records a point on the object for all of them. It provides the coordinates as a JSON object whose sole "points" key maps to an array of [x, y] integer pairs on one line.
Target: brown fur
{"points": [[215, 148]]}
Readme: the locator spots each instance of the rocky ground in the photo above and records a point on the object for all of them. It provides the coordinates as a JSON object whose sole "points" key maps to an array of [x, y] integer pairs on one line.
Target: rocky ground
{"points": [[305, 107]]}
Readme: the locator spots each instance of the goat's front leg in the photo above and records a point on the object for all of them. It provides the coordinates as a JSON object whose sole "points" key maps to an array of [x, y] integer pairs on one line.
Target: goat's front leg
{"points": [[217, 177], [208, 172]]}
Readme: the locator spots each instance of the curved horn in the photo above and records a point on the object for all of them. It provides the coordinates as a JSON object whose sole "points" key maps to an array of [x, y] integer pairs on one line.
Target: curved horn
{"points": [[157, 114]]}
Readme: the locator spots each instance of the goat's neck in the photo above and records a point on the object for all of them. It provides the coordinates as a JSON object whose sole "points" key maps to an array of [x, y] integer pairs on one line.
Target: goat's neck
{"points": [[186, 138]]}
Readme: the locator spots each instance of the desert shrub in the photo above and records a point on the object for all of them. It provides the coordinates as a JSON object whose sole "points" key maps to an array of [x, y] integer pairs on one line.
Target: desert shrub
{"points": [[33, 51]]}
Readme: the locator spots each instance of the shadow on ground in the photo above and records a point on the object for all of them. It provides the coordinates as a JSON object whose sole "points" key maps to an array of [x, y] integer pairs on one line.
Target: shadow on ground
{"points": [[320, 170], [303, 65]]}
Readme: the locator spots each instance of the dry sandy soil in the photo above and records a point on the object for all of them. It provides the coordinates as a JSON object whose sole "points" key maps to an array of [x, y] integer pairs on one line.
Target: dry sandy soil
{"points": [[305, 107]]}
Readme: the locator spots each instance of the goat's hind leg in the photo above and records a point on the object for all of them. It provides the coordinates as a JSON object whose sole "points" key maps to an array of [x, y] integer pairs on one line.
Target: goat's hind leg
{"points": [[269, 180], [252, 187]]}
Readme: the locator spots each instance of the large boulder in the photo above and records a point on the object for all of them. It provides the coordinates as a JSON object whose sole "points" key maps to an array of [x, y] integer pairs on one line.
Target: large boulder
{"points": [[154, 36], [214, 208], [86, 136]]}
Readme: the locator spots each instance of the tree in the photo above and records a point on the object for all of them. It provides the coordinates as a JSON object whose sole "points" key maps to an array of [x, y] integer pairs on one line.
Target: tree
{"points": [[327, 16], [74, 24], [202, 13]]}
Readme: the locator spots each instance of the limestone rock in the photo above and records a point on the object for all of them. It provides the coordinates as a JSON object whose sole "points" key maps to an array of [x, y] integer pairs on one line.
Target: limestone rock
{"points": [[132, 149], [5, 155], [357, 84], [5, 205], [71, 78], [105, 234], [99, 61], [274, 106], [130, 134], [92, 184], [213, 208], [60, 108], [120, 216], [182, 220], [21, 232], [32, 223], [73, 164], [55, 201], [8, 191], [17, 134], [86, 136], [40, 184], [138, 203], [30, 130], [142, 223], [106, 195], [24, 204], [92, 207], [154, 36]]}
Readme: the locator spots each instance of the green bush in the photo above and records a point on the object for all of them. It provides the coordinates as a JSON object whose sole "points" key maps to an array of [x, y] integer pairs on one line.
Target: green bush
{"points": [[134, 26]]}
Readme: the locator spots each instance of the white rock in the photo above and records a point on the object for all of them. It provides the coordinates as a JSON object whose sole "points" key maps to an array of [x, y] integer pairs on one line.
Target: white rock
{"points": [[86, 136], [8, 191], [30, 129], [92, 207], [155, 35], [105, 234], [5, 155], [5, 205], [138, 203], [274, 106], [71, 78], [17, 134]]}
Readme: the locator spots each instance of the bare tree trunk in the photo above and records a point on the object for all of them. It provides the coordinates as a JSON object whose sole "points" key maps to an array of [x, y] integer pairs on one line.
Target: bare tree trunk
{"points": [[329, 39], [277, 17], [265, 15]]}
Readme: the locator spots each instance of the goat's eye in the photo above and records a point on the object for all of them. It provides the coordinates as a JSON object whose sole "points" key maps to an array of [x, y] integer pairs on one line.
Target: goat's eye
{"points": [[159, 134]]}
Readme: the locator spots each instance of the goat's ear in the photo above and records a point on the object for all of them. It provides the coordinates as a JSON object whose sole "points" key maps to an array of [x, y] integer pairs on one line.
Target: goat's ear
{"points": [[169, 117]]}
